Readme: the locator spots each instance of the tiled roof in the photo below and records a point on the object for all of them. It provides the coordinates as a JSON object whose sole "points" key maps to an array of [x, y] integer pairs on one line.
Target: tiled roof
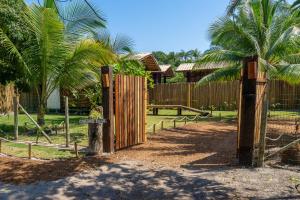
{"points": [[197, 67]]}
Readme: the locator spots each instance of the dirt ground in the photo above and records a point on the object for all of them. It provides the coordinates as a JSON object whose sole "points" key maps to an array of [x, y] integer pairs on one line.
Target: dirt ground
{"points": [[196, 161], [192, 146]]}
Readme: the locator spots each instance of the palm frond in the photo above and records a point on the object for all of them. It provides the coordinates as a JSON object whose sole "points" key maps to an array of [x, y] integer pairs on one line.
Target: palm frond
{"points": [[224, 74], [220, 55], [289, 73], [120, 44], [10, 47], [81, 17]]}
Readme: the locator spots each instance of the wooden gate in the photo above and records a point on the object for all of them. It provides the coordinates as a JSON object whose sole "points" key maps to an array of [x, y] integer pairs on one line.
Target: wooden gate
{"points": [[130, 110]]}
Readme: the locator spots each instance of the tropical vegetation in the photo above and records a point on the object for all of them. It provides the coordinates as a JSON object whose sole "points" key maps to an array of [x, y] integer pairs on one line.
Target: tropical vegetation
{"points": [[264, 30], [62, 51], [175, 59]]}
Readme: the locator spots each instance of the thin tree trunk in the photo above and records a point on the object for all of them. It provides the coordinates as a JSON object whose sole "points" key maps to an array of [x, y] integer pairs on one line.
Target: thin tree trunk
{"points": [[263, 127], [41, 113]]}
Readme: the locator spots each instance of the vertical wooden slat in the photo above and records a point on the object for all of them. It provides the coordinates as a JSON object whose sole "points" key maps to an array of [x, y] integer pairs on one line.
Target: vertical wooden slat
{"points": [[135, 110], [144, 109], [117, 102]]}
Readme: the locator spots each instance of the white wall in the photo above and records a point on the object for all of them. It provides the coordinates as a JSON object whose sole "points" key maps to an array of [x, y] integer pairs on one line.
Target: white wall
{"points": [[54, 100]]}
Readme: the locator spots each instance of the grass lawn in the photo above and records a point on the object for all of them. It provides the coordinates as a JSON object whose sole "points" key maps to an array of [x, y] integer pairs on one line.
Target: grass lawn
{"points": [[76, 130], [168, 116], [21, 150], [80, 131]]}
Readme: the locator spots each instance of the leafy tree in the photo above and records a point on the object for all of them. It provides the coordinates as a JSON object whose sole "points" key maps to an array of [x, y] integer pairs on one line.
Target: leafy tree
{"points": [[265, 29], [61, 54], [175, 59], [11, 23]]}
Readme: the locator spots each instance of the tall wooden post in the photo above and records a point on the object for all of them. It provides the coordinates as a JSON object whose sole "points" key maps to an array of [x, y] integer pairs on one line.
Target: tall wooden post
{"points": [[251, 112], [108, 109], [16, 117], [67, 121]]}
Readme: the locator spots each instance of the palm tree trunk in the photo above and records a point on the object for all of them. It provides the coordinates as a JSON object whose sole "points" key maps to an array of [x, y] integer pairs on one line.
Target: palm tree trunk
{"points": [[41, 113], [263, 127]]}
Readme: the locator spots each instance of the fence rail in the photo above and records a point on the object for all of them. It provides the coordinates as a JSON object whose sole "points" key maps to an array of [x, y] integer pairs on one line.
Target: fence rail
{"points": [[221, 95]]}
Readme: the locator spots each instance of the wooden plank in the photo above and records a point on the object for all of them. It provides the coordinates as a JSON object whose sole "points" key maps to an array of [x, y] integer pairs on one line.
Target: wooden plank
{"points": [[144, 109], [136, 105], [141, 111], [120, 113], [117, 115]]}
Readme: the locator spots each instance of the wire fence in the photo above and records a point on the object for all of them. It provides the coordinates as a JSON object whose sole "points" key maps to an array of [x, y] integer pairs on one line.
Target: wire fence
{"points": [[283, 127]]}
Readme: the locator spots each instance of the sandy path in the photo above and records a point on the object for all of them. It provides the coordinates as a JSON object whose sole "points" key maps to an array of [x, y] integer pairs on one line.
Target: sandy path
{"points": [[132, 180], [186, 163]]}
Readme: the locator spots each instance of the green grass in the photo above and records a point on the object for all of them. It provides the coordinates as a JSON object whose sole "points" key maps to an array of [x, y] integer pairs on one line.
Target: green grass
{"points": [[168, 116], [76, 130], [21, 150], [80, 131]]}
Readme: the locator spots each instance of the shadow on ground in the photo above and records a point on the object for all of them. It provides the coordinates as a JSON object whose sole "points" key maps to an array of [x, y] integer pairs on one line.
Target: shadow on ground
{"points": [[113, 181]]}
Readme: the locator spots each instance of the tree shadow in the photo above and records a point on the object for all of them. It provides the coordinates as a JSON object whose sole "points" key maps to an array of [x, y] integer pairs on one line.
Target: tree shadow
{"points": [[111, 181]]}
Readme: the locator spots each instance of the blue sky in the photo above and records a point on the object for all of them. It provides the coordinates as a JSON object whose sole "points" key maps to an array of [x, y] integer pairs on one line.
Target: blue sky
{"points": [[165, 25]]}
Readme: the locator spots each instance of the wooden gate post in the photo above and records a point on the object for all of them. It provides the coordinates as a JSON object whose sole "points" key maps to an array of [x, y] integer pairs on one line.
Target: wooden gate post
{"points": [[252, 97], [108, 109]]}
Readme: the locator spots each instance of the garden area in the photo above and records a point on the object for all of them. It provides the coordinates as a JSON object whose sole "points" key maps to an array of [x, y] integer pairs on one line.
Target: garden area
{"points": [[85, 115], [79, 132]]}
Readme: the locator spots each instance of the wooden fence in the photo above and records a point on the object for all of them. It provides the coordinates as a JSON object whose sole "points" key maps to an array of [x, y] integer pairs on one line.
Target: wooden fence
{"points": [[6, 98], [221, 95], [130, 110]]}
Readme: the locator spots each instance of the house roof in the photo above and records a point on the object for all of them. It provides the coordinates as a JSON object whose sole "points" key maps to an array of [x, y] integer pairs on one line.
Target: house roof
{"points": [[185, 67], [167, 70], [164, 68], [148, 60], [197, 67]]}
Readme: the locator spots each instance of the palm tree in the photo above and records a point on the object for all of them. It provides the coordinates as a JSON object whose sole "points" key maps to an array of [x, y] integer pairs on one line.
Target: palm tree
{"points": [[265, 29], [233, 5], [120, 44], [195, 54], [61, 54]]}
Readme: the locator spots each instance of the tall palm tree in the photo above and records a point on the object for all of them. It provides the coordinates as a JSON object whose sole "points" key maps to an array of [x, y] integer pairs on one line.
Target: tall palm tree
{"points": [[61, 54], [265, 29]]}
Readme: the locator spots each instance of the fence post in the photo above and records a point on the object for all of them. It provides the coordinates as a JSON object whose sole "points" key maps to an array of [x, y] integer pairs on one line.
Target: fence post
{"points": [[108, 109], [162, 125], [252, 114], [67, 121], [174, 123], [76, 150], [16, 117], [154, 128], [179, 111], [29, 150]]}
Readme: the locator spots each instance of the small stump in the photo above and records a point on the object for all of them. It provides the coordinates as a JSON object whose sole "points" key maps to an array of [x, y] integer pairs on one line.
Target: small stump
{"points": [[291, 156]]}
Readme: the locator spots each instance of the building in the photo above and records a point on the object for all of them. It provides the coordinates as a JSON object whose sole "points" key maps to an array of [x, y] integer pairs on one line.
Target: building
{"points": [[161, 76], [194, 72]]}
